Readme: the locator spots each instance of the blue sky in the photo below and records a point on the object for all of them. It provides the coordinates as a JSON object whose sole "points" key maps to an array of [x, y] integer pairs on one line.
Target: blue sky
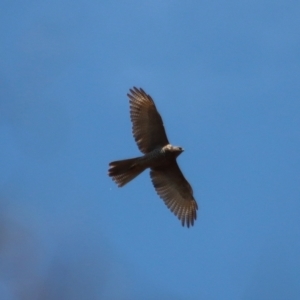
{"points": [[225, 78]]}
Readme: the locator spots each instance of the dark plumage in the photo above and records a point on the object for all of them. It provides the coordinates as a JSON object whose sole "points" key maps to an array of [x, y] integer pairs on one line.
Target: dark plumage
{"points": [[160, 156]]}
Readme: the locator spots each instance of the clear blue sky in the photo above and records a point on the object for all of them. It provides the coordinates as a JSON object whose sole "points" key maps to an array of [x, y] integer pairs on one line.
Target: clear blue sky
{"points": [[225, 78]]}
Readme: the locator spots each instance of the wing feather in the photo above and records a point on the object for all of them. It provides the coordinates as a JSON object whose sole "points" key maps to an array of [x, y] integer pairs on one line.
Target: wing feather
{"points": [[147, 125], [174, 189]]}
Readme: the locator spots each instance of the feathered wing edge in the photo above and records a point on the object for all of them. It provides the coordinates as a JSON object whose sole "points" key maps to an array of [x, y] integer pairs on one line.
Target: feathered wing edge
{"points": [[176, 192], [147, 125]]}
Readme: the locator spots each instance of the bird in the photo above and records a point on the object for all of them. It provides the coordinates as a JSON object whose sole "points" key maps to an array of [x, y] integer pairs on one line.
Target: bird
{"points": [[159, 156]]}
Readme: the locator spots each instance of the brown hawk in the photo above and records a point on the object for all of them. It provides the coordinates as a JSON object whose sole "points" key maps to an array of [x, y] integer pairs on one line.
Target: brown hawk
{"points": [[159, 155]]}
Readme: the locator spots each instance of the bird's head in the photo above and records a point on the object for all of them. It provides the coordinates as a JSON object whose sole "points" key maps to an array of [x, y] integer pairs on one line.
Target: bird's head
{"points": [[175, 150]]}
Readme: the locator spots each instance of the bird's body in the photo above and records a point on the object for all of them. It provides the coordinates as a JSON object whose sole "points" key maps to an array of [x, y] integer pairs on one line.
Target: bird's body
{"points": [[159, 155], [123, 171]]}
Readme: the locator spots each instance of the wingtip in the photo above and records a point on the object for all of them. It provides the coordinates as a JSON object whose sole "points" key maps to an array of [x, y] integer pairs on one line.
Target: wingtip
{"points": [[136, 90]]}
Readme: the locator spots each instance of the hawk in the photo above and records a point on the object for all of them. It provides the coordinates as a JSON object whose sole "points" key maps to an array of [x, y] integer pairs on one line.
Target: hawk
{"points": [[159, 155]]}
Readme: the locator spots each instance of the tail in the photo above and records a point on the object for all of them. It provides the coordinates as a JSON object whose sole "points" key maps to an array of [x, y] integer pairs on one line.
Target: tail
{"points": [[123, 171]]}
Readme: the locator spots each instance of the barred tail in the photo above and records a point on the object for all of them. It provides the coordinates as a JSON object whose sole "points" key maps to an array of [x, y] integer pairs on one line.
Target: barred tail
{"points": [[123, 171]]}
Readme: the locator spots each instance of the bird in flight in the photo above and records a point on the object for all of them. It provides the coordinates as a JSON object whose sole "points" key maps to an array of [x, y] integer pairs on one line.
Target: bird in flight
{"points": [[159, 155]]}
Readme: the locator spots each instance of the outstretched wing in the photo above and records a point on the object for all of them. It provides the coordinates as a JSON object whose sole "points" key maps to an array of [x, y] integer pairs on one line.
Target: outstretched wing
{"points": [[176, 192], [147, 126]]}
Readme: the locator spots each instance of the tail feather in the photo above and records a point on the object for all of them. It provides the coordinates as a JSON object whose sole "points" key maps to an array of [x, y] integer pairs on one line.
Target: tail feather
{"points": [[123, 171]]}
